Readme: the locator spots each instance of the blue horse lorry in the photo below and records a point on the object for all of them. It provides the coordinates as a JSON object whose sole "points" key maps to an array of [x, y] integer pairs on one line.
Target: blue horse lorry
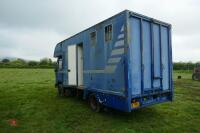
{"points": [[124, 63]]}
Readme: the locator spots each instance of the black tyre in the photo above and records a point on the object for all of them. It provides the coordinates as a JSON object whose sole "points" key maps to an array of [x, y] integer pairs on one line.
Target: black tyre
{"points": [[60, 90], [67, 92], [94, 104], [195, 76]]}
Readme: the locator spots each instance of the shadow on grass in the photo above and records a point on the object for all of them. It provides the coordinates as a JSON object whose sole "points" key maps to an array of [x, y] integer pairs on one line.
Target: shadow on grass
{"points": [[146, 114], [136, 115]]}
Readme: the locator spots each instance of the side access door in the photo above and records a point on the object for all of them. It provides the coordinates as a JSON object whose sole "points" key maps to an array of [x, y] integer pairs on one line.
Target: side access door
{"points": [[75, 65]]}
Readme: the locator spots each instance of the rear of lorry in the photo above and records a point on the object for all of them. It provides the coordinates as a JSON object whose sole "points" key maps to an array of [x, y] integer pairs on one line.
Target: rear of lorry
{"points": [[149, 61]]}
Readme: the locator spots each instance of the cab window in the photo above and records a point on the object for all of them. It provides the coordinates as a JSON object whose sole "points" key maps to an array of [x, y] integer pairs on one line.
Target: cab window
{"points": [[59, 63]]}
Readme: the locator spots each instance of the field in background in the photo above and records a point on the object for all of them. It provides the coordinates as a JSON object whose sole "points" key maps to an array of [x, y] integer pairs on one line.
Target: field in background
{"points": [[28, 97]]}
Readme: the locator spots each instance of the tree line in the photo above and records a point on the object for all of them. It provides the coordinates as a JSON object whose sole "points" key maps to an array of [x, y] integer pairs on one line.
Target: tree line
{"points": [[48, 63], [185, 65], [21, 63]]}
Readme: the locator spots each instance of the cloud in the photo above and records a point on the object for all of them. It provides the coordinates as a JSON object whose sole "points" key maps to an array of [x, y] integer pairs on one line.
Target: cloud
{"points": [[186, 48], [44, 23], [62, 16], [28, 44]]}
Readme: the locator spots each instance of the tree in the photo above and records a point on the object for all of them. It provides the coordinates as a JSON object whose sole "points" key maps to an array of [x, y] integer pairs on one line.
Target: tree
{"points": [[19, 63], [32, 63], [44, 61], [5, 61], [50, 61]]}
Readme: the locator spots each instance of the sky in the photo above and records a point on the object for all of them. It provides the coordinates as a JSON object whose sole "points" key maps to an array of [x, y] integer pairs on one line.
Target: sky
{"points": [[30, 29]]}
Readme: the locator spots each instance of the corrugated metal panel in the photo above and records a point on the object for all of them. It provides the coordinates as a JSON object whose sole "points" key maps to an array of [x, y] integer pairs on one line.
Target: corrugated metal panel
{"points": [[156, 55], [135, 56], [149, 56], [146, 53], [165, 57]]}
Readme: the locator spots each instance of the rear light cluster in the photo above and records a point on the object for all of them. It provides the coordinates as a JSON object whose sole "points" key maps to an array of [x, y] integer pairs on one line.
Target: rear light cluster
{"points": [[135, 104]]}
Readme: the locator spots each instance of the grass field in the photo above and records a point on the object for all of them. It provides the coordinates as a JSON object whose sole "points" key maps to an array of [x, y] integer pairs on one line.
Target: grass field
{"points": [[29, 97]]}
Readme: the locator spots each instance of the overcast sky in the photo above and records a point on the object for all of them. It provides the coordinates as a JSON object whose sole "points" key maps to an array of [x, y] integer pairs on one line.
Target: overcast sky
{"points": [[30, 29]]}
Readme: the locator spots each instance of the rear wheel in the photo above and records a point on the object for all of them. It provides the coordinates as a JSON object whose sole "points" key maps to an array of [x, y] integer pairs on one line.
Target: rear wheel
{"points": [[196, 76], [94, 104]]}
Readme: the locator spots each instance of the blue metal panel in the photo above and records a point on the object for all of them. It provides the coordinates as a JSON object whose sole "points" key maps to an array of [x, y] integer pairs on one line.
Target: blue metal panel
{"points": [[165, 57], [102, 55], [59, 77], [135, 56], [113, 101], [171, 65], [149, 61], [58, 50], [147, 55], [65, 68], [156, 56]]}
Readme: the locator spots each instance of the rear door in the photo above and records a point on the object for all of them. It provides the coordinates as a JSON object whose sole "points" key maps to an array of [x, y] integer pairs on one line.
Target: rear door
{"points": [[149, 56]]}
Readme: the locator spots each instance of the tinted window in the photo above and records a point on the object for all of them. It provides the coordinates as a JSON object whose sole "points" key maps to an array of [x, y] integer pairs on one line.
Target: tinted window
{"points": [[60, 63], [93, 38], [108, 33]]}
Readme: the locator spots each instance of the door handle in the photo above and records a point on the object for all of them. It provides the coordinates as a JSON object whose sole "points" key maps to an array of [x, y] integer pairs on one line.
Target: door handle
{"points": [[68, 70], [158, 77]]}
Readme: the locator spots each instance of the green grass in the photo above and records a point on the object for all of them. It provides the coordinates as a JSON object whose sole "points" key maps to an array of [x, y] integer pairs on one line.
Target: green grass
{"points": [[29, 96]]}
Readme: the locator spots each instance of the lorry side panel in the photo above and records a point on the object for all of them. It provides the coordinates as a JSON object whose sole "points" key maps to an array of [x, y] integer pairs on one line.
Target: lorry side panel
{"points": [[103, 67]]}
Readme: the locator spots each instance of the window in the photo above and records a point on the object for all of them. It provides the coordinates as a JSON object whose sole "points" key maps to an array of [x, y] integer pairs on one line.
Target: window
{"points": [[59, 63], [108, 33], [93, 38]]}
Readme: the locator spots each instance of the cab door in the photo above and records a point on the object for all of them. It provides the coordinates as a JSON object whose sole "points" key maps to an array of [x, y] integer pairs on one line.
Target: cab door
{"points": [[58, 71]]}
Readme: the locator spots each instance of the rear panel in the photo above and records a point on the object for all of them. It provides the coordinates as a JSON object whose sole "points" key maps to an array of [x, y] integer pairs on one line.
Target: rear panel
{"points": [[150, 56]]}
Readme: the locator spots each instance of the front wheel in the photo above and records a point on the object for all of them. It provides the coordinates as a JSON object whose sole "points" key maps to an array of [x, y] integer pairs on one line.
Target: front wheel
{"points": [[94, 104], [60, 90]]}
